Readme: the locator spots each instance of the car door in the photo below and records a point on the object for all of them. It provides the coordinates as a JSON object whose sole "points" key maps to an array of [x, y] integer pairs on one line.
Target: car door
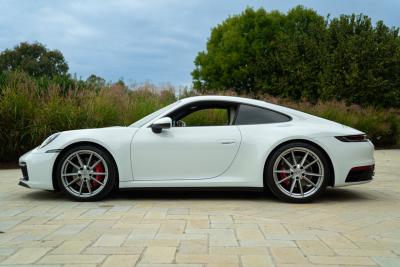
{"points": [[182, 153]]}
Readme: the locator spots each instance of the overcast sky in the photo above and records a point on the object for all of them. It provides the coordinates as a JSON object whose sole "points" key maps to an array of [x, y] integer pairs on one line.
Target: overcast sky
{"points": [[145, 40]]}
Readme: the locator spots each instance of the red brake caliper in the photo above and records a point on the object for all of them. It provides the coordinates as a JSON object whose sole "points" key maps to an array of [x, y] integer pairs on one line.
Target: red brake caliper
{"points": [[282, 175], [98, 168]]}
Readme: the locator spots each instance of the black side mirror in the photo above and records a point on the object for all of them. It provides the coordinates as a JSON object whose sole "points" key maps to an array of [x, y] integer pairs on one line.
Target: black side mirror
{"points": [[163, 123]]}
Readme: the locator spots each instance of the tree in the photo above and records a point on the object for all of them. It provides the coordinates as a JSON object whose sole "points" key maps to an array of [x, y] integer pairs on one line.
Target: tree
{"points": [[34, 59], [364, 62], [96, 81], [303, 55]]}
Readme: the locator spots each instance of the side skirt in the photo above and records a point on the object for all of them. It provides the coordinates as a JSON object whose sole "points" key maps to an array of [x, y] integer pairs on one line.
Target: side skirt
{"points": [[196, 189]]}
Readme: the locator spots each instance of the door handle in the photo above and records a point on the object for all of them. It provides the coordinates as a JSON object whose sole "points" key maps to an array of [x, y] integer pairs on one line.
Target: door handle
{"points": [[227, 141]]}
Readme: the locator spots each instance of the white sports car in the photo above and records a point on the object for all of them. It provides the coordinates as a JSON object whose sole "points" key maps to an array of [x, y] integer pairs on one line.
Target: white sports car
{"points": [[203, 142]]}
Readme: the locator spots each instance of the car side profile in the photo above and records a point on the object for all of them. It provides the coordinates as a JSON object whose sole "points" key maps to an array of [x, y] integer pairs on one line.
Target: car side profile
{"points": [[203, 142]]}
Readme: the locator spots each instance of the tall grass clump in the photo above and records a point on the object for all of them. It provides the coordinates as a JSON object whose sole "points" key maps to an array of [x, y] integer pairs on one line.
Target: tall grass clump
{"points": [[32, 109], [29, 113]]}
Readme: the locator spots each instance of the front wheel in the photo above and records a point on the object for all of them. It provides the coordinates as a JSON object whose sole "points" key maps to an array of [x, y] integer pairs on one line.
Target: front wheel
{"points": [[86, 173], [297, 172]]}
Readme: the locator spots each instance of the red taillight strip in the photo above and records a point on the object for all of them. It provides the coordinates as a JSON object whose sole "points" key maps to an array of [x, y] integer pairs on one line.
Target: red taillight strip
{"points": [[353, 138]]}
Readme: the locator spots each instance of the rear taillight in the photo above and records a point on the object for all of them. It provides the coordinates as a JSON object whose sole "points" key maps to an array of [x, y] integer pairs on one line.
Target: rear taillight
{"points": [[353, 138]]}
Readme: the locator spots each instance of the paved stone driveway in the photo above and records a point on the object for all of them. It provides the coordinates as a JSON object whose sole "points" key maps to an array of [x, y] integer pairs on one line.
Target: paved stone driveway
{"points": [[357, 225]]}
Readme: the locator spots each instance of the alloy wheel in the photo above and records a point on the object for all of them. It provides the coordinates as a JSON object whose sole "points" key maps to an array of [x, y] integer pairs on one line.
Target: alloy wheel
{"points": [[298, 172], [84, 173]]}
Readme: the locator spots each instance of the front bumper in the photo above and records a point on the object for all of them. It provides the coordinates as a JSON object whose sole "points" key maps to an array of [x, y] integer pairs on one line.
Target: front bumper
{"points": [[37, 169], [25, 177], [23, 183]]}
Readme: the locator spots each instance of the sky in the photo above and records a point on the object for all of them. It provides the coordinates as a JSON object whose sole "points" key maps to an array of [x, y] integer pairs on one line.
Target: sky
{"points": [[141, 41]]}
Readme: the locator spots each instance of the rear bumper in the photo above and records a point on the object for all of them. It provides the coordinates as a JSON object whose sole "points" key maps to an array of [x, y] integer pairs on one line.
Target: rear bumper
{"points": [[360, 174], [348, 156]]}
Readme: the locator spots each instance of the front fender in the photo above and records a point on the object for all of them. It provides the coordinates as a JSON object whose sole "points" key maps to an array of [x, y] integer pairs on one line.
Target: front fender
{"points": [[116, 140]]}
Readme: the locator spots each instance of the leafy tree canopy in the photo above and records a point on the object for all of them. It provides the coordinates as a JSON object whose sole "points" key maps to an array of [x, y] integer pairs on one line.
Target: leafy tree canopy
{"points": [[34, 59], [303, 55], [96, 80]]}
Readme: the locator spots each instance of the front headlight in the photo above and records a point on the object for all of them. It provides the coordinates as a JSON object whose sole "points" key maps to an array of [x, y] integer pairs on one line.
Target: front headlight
{"points": [[49, 139]]}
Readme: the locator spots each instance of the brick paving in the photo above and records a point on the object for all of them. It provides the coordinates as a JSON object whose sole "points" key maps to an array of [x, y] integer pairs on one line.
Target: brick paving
{"points": [[353, 226]]}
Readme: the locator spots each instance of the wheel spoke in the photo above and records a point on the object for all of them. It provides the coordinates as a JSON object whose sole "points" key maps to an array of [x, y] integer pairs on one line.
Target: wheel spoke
{"points": [[73, 181], [309, 181], [313, 174], [90, 159], [284, 179], [309, 164], [94, 165], [294, 158], [99, 173], [70, 174], [79, 159], [88, 186], [282, 171], [287, 162], [73, 164], [80, 189], [304, 159], [292, 187], [301, 189], [97, 181]]}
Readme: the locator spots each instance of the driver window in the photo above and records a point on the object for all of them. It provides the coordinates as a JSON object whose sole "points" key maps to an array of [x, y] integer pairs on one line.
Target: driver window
{"points": [[204, 117]]}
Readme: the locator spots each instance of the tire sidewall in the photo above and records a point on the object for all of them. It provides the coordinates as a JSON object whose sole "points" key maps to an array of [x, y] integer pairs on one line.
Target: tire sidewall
{"points": [[112, 174], [270, 179]]}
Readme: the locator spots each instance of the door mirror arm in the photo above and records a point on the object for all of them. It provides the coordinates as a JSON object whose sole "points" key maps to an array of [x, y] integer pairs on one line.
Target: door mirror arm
{"points": [[160, 124]]}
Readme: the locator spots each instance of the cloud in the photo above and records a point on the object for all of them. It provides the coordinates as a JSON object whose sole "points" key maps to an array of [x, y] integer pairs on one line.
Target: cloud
{"points": [[152, 40]]}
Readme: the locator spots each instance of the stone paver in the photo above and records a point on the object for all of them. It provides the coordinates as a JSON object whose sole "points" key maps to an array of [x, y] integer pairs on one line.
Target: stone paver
{"points": [[26, 256], [257, 261], [120, 261], [350, 226]]}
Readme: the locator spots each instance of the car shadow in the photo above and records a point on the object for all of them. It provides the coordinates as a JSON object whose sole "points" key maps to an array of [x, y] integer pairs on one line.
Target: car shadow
{"points": [[345, 194], [330, 195], [190, 194]]}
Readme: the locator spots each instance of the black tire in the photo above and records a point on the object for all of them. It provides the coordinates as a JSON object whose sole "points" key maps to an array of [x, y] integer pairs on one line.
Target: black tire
{"points": [[272, 185], [107, 187]]}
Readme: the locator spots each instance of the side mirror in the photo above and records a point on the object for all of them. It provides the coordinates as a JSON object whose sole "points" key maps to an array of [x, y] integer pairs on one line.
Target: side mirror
{"points": [[163, 123]]}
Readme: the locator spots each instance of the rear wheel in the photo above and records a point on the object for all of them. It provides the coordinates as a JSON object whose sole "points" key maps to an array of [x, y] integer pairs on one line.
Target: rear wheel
{"points": [[86, 173], [297, 172]]}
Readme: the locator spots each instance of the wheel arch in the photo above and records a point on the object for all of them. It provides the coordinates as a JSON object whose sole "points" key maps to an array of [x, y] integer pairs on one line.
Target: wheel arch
{"points": [[331, 168], [80, 143]]}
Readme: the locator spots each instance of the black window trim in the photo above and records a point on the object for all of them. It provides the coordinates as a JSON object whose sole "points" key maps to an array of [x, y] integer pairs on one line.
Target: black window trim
{"points": [[236, 107]]}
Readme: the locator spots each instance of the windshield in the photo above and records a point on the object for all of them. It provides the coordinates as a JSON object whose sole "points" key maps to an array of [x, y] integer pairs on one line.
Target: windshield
{"points": [[153, 115]]}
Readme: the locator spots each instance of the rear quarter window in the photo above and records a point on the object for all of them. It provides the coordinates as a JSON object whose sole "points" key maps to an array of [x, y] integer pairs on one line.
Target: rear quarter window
{"points": [[255, 115]]}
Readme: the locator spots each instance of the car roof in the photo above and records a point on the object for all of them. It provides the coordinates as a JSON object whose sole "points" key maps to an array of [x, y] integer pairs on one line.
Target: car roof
{"points": [[242, 100], [236, 99], [224, 98]]}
